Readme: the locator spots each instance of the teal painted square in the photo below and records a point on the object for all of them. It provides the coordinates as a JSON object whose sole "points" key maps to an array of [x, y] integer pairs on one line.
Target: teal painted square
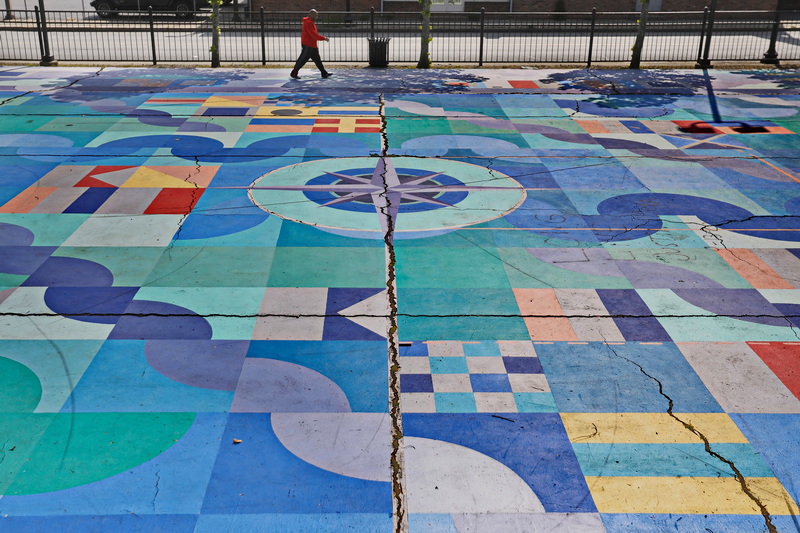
{"points": [[296, 234], [120, 379], [48, 229], [130, 266], [483, 349], [455, 402], [460, 314], [328, 267], [535, 402], [231, 311], [190, 266], [448, 365], [434, 268]]}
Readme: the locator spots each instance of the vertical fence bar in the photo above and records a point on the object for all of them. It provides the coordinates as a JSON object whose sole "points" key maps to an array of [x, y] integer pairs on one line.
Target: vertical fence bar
{"points": [[480, 49], [704, 62], [263, 36], [372, 23], [39, 30], [702, 36], [152, 33], [771, 55], [591, 37], [47, 58]]}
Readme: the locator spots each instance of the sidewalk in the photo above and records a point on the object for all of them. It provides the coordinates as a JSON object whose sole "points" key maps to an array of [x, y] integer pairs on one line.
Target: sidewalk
{"points": [[506, 300]]}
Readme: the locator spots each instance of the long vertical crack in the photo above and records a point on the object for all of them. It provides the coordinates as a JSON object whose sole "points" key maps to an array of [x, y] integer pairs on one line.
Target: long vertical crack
{"points": [[397, 467], [706, 443]]}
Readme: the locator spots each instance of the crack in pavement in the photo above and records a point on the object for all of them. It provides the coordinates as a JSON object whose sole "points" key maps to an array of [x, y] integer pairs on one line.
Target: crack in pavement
{"points": [[400, 517], [706, 443]]}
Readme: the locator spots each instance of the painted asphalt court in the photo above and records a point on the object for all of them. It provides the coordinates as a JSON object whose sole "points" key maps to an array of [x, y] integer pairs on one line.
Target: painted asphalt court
{"points": [[397, 300]]}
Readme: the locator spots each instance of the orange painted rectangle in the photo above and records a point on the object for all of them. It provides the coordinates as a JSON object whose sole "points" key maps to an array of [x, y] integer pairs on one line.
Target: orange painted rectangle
{"points": [[592, 126], [753, 269], [543, 315], [27, 199]]}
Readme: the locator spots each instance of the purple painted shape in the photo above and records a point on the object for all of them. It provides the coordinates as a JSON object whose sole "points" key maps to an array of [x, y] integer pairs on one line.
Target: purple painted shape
{"points": [[590, 261], [744, 304], [154, 117], [751, 168], [104, 305], [6, 293], [146, 320], [13, 235], [23, 260], [270, 386], [576, 138], [610, 143], [647, 275], [791, 312], [208, 364], [70, 272], [632, 316], [189, 126]]}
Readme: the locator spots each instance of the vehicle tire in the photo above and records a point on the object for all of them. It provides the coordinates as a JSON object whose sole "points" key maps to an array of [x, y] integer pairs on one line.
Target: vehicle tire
{"points": [[183, 9], [104, 10]]}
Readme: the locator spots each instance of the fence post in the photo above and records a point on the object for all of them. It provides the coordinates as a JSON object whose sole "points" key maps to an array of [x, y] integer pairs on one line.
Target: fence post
{"points": [[480, 50], [702, 37], [152, 33], [704, 62], [591, 37], [771, 55], [263, 38], [372, 23], [39, 30], [47, 58]]}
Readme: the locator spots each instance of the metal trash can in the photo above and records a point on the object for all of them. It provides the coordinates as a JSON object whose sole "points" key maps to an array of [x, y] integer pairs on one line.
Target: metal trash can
{"points": [[379, 51]]}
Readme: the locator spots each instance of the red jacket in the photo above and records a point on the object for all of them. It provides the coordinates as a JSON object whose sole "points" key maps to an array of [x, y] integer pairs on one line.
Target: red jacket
{"points": [[310, 36]]}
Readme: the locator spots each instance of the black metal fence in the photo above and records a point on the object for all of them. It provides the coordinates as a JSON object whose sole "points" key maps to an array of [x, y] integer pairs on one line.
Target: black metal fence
{"points": [[459, 38]]}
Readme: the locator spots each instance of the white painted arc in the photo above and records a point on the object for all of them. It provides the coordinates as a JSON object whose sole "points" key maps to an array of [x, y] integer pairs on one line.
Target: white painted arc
{"points": [[442, 477]]}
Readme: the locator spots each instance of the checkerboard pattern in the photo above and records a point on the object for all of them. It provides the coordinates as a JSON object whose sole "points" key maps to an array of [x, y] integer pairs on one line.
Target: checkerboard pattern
{"points": [[504, 377]]}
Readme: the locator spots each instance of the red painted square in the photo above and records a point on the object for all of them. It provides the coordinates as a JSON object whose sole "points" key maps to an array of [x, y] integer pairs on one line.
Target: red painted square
{"points": [[174, 202], [324, 129], [522, 84], [367, 130], [783, 358], [695, 126]]}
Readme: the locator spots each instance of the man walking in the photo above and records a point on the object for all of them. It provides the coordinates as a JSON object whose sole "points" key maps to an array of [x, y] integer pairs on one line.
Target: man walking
{"points": [[309, 38]]}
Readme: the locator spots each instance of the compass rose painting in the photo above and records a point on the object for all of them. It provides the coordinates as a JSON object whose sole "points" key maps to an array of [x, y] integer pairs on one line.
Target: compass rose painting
{"points": [[366, 196]]}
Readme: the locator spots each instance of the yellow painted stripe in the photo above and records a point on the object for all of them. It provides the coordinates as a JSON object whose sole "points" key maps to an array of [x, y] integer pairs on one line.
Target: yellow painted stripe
{"points": [[649, 428], [690, 495]]}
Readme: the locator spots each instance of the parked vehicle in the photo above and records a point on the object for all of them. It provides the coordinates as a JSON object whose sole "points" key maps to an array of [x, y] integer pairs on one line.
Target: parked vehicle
{"points": [[181, 8]]}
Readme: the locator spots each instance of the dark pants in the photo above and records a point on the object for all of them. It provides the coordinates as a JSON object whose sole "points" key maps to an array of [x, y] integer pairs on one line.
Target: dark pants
{"points": [[312, 54]]}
